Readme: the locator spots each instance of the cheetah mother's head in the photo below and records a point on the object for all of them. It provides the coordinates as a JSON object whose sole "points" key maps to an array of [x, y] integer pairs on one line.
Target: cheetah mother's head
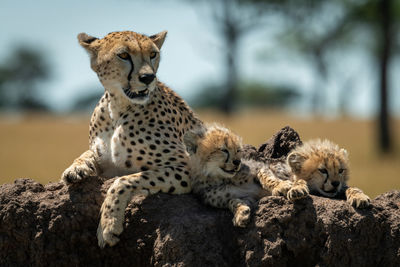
{"points": [[125, 62]]}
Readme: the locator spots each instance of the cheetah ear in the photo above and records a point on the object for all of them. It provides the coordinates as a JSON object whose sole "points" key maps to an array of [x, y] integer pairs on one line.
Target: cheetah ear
{"points": [[344, 153], [159, 38], [190, 139], [295, 160], [86, 41]]}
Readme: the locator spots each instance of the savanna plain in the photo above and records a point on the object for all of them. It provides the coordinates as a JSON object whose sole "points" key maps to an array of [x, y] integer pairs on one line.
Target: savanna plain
{"points": [[40, 147]]}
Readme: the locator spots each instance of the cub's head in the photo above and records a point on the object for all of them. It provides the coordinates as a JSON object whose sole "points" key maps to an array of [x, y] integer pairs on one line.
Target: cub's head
{"points": [[125, 62], [214, 151], [322, 164]]}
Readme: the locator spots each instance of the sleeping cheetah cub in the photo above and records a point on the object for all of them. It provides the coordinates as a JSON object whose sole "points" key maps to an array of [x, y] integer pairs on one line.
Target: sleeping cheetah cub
{"points": [[325, 168], [222, 179]]}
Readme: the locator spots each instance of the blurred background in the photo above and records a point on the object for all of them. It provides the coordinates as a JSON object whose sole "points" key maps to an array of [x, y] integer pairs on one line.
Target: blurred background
{"points": [[328, 69]]}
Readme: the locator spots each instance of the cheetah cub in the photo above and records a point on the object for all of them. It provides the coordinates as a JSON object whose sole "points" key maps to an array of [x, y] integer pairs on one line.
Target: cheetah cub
{"points": [[325, 168], [222, 179]]}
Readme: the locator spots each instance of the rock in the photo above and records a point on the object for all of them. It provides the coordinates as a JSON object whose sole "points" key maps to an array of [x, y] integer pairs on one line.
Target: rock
{"points": [[54, 225]]}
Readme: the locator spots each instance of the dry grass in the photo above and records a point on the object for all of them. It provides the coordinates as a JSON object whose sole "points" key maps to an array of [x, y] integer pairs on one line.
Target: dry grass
{"points": [[41, 147]]}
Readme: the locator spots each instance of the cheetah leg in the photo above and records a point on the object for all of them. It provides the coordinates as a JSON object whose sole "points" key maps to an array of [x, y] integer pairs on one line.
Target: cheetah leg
{"points": [[357, 198], [82, 167], [226, 196], [241, 211], [270, 182], [299, 190], [121, 191]]}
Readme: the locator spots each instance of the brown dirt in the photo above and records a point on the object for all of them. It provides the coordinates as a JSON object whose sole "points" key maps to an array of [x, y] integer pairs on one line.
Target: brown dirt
{"points": [[54, 225]]}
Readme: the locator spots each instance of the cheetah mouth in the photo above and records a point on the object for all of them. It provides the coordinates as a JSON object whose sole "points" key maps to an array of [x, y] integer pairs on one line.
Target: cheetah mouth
{"points": [[330, 193], [230, 172], [140, 94]]}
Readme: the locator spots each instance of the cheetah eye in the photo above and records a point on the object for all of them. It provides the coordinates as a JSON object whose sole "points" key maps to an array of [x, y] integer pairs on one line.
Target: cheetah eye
{"points": [[153, 55], [124, 56], [227, 154], [341, 171], [323, 171], [225, 151]]}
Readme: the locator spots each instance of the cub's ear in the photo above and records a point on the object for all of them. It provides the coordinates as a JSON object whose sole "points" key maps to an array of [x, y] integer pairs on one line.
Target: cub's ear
{"points": [[86, 41], [191, 139], [295, 160], [159, 38], [344, 153]]}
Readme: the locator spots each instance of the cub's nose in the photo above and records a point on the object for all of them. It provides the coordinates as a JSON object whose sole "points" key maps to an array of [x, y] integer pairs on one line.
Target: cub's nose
{"points": [[335, 183], [147, 78], [236, 162]]}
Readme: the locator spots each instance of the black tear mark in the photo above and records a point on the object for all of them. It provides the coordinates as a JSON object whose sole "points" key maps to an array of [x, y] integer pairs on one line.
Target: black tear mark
{"points": [[130, 72]]}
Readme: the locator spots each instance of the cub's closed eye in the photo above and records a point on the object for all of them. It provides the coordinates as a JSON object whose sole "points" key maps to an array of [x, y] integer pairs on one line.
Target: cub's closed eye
{"points": [[227, 154], [323, 171], [153, 55], [124, 56]]}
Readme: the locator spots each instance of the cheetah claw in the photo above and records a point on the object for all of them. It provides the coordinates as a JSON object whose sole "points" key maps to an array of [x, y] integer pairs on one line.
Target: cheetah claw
{"points": [[297, 192], [75, 173], [360, 201], [282, 189], [242, 217], [106, 237]]}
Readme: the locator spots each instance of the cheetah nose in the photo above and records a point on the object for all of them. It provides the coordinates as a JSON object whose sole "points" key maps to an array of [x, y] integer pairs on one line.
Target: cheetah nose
{"points": [[236, 162], [335, 183], [147, 78]]}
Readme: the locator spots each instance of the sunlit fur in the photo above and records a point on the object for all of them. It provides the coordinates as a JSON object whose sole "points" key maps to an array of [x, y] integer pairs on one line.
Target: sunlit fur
{"points": [[222, 183], [325, 168]]}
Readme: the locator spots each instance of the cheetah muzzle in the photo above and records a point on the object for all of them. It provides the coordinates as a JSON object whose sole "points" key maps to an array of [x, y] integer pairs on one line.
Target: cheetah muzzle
{"points": [[136, 95]]}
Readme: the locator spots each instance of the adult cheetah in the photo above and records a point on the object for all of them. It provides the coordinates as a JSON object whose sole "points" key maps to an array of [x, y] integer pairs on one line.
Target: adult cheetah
{"points": [[136, 129]]}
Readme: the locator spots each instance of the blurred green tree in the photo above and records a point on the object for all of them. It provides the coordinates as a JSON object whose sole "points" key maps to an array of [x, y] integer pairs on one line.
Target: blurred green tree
{"points": [[316, 27], [20, 76], [88, 102], [250, 94], [232, 20]]}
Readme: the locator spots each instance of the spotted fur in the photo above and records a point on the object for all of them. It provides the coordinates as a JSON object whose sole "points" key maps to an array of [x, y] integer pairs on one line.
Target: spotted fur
{"points": [[223, 179], [322, 168], [136, 129]]}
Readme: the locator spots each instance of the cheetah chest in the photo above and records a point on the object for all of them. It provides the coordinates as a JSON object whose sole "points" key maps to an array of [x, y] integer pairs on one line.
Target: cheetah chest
{"points": [[138, 143]]}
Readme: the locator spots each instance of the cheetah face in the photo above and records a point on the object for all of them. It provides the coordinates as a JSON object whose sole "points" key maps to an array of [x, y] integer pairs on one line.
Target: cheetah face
{"points": [[126, 62], [327, 181], [322, 165], [222, 161], [215, 151]]}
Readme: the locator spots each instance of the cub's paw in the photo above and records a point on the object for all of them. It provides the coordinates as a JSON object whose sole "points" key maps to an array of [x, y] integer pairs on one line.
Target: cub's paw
{"points": [[282, 189], [359, 200], [242, 216], [75, 173], [298, 191], [108, 231]]}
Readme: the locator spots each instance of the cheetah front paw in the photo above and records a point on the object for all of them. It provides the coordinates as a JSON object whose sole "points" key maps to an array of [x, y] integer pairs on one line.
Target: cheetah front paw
{"points": [[282, 189], [242, 216], [297, 192], [76, 172], [108, 231], [359, 200]]}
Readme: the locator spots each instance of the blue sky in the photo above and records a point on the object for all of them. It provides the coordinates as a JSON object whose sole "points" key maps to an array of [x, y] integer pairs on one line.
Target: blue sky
{"points": [[191, 56]]}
